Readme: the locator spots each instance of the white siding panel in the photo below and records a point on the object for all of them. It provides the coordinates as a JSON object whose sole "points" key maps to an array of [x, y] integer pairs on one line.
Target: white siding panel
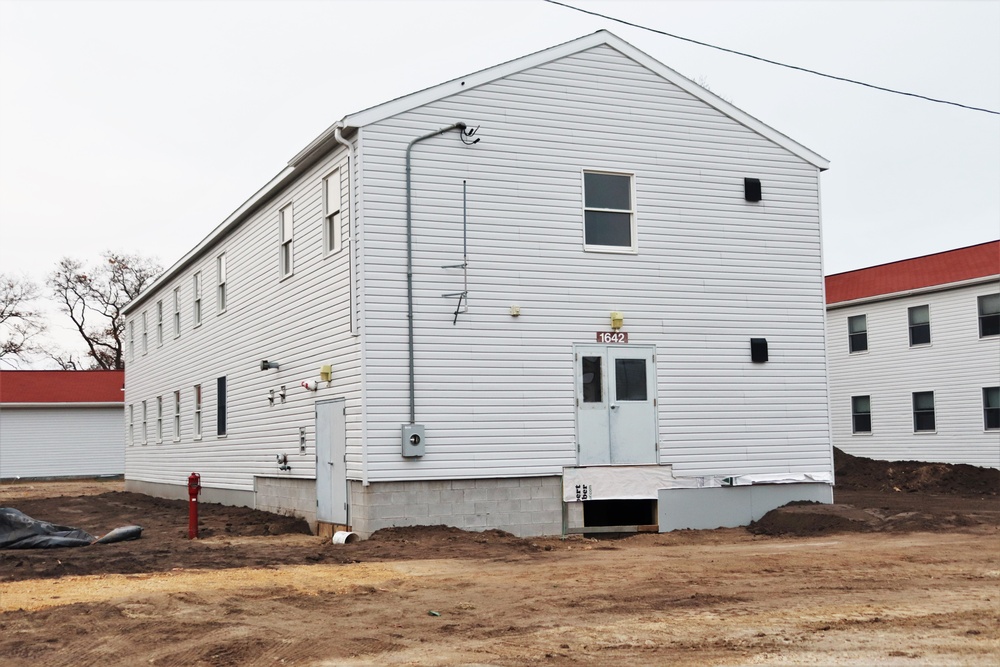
{"points": [[301, 322], [956, 366], [61, 442], [496, 393]]}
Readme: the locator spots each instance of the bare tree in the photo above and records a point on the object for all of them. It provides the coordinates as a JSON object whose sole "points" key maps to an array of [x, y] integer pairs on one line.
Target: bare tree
{"points": [[20, 324], [93, 299]]}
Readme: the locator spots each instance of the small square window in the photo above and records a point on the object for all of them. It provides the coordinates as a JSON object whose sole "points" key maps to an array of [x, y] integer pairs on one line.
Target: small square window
{"points": [[861, 414], [608, 214], [857, 333], [920, 325], [923, 411], [989, 315], [991, 408]]}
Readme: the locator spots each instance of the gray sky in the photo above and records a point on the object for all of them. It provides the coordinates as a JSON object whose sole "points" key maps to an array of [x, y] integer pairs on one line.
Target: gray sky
{"points": [[139, 126]]}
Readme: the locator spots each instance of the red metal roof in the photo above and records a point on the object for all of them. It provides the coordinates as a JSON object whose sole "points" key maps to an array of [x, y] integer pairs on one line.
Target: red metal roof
{"points": [[62, 386], [942, 268]]}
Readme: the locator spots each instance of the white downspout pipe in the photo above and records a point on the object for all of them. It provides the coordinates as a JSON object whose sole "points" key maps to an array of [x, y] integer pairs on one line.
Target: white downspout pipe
{"points": [[350, 228]]}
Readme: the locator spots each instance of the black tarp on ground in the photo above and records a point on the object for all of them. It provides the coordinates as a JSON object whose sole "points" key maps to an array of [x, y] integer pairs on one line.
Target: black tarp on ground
{"points": [[20, 531]]}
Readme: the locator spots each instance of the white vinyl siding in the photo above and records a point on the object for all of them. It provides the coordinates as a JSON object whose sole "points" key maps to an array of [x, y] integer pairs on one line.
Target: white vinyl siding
{"points": [[496, 393], [302, 324], [955, 367], [62, 441]]}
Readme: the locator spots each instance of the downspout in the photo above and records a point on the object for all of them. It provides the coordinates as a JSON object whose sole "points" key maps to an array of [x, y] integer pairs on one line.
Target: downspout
{"points": [[350, 226], [409, 257]]}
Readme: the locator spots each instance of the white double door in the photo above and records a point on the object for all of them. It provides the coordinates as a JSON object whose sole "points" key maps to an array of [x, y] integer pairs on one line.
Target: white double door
{"points": [[616, 404]]}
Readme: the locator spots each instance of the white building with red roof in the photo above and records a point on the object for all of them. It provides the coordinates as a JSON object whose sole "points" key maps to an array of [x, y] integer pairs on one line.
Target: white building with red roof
{"points": [[914, 358], [61, 424]]}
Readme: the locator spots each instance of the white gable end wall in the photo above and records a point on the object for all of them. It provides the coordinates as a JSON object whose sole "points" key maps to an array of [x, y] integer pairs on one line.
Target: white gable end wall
{"points": [[496, 393]]}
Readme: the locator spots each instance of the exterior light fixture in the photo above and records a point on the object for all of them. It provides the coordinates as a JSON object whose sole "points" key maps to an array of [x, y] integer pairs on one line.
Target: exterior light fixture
{"points": [[617, 320], [267, 365]]}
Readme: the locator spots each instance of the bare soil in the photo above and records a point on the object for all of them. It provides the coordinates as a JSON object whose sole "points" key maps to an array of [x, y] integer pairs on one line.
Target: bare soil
{"points": [[884, 576]]}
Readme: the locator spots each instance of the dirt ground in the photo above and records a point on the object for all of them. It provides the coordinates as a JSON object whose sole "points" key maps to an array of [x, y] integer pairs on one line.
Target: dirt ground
{"points": [[903, 570]]}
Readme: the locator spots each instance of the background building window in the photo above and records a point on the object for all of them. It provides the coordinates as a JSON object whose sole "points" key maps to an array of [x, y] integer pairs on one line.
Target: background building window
{"points": [[923, 411], [221, 412], [920, 325], [991, 408], [285, 232], [989, 315], [857, 333], [608, 217], [220, 271], [861, 414]]}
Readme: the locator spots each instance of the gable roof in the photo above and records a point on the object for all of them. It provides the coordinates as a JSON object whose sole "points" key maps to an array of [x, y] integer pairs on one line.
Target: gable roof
{"points": [[942, 268], [326, 141], [62, 387]]}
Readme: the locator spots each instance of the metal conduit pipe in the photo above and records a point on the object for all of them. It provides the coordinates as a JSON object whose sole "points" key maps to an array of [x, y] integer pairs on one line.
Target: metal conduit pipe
{"points": [[409, 257], [350, 227]]}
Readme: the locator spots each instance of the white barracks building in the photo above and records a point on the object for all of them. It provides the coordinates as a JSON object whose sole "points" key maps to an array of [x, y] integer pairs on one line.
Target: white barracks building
{"points": [[572, 292]]}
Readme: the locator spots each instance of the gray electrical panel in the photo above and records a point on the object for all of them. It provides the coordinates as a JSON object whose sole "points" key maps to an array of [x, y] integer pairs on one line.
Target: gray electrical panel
{"points": [[413, 440]]}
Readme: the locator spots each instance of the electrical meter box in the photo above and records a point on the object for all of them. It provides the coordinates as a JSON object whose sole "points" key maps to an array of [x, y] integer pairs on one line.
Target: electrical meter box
{"points": [[413, 440]]}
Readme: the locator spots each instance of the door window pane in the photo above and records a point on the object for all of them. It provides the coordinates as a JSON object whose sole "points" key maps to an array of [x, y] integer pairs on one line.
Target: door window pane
{"points": [[592, 380], [630, 379]]}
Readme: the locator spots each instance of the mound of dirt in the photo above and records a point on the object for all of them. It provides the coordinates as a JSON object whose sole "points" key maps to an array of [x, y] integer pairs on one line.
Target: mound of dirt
{"points": [[864, 474]]}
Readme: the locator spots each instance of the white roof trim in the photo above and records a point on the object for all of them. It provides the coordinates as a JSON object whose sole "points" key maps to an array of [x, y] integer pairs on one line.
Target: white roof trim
{"points": [[426, 96]]}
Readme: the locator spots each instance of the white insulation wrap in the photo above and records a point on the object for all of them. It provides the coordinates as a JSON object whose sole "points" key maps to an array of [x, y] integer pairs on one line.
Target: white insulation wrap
{"points": [[641, 482]]}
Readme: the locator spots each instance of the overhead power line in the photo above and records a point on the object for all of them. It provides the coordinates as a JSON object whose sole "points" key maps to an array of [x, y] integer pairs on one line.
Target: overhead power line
{"points": [[771, 62]]}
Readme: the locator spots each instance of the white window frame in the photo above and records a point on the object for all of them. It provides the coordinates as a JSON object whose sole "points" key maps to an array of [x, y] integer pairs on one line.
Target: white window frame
{"points": [[159, 324], [910, 326], [333, 199], [980, 302], [145, 417], [177, 416], [852, 334], [159, 419], [221, 297], [196, 301], [987, 407], [855, 414], [131, 424], [632, 249], [177, 312], [932, 411], [145, 334], [131, 340], [286, 241], [197, 411]]}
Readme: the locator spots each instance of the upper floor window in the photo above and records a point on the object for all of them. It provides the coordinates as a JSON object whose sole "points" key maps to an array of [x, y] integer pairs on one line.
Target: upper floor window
{"points": [[285, 233], [920, 325], [145, 334], [857, 333], [991, 408], [220, 273], [159, 323], [177, 312], [923, 411], [144, 419], [608, 214], [177, 416], [159, 419], [332, 197], [197, 412], [131, 424], [196, 284], [989, 315], [131, 340], [861, 414]]}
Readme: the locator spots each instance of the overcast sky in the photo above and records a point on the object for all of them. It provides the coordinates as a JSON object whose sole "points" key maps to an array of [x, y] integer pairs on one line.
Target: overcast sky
{"points": [[139, 126]]}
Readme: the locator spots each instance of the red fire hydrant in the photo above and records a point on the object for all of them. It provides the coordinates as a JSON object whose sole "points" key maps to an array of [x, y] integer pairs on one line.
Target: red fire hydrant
{"points": [[194, 488]]}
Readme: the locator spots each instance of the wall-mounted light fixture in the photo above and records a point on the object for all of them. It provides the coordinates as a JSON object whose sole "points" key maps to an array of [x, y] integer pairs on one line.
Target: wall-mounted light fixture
{"points": [[617, 320], [326, 373], [515, 311], [268, 365]]}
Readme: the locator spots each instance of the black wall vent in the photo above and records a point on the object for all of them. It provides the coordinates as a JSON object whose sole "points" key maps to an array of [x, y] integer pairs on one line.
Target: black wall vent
{"points": [[758, 350], [751, 189]]}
